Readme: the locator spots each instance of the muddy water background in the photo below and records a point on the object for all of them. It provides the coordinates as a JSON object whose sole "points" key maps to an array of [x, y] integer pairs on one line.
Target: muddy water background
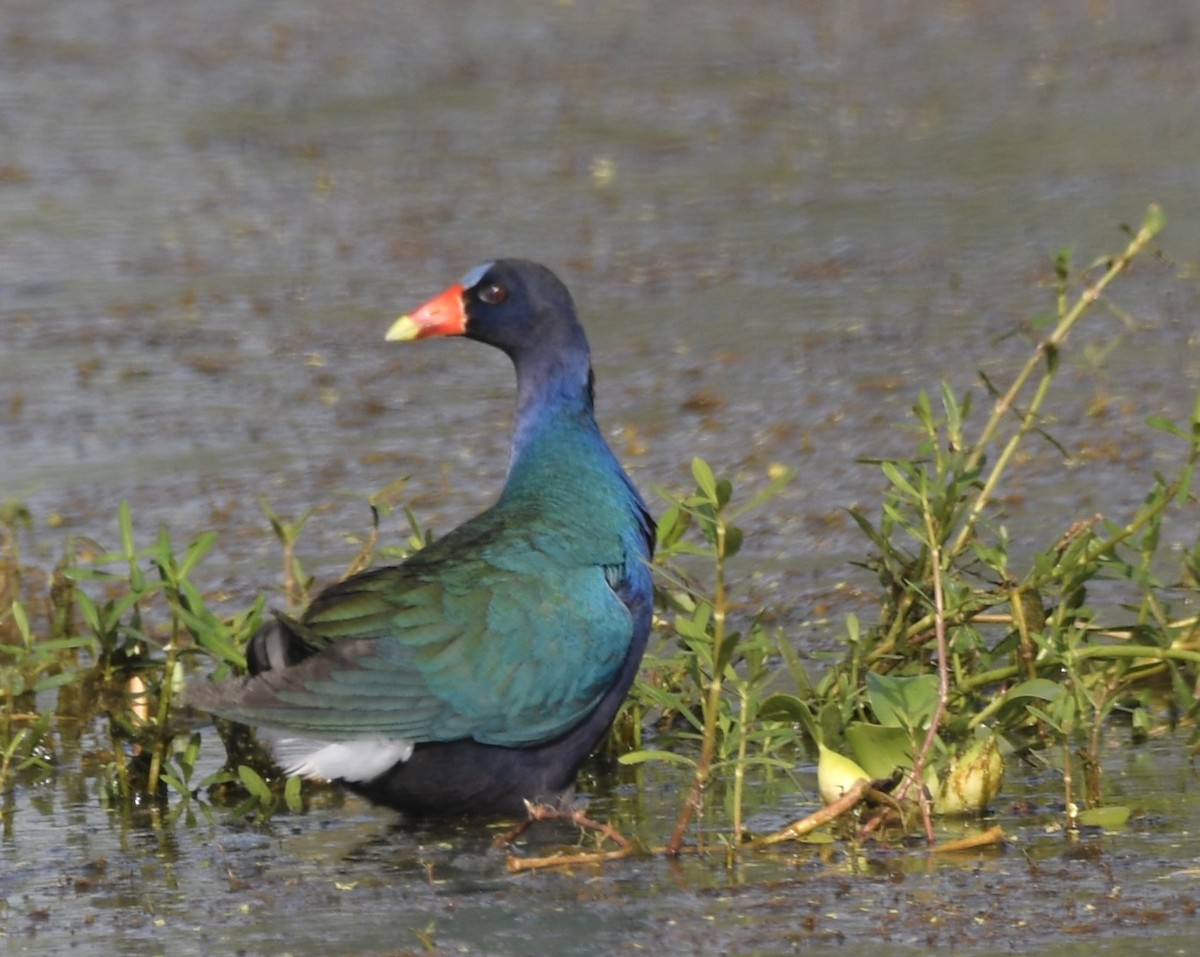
{"points": [[779, 221]]}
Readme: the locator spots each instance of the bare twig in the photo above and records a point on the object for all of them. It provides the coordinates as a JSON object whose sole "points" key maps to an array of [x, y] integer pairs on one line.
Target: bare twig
{"points": [[517, 865], [847, 802], [547, 812], [993, 835], [1047, 351]]}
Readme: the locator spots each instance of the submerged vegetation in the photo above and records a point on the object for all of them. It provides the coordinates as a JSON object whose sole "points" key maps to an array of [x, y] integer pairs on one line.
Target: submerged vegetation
{"points": [[975, 657]]}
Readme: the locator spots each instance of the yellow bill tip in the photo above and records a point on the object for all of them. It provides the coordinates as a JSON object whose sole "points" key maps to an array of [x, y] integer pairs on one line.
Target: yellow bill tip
{"points": [[402, 330]]}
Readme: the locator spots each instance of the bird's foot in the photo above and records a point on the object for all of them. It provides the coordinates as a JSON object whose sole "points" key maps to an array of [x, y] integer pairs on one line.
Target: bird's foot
{"points": [[538, 811], [549, 812]]}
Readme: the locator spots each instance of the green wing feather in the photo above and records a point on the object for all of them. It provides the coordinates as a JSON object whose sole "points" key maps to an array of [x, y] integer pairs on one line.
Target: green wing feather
{"points": [[504, 637]]}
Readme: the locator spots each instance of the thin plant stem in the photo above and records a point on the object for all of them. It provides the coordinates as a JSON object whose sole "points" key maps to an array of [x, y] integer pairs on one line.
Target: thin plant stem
{"points": [[712, 704], [739, 770], [939, 608], [1048, 348]]}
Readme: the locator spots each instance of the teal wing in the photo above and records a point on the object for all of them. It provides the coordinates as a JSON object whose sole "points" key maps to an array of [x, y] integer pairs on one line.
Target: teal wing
{"points": [[502, 642]]}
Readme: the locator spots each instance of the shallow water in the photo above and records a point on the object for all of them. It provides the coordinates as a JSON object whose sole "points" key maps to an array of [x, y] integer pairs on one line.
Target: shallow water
{"points": [[350, 879], [779, 222]]}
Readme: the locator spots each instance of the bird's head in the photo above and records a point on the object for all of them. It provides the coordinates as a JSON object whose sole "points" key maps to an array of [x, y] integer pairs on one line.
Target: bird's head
{"points": [[513, 304]]}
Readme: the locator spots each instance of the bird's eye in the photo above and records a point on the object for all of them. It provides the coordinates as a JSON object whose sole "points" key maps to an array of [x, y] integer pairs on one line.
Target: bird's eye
{"points": [[492, 294]]}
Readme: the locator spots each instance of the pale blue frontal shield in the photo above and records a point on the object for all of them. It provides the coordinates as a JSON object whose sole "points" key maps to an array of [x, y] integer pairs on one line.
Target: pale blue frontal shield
{"points": [[470, 279]]}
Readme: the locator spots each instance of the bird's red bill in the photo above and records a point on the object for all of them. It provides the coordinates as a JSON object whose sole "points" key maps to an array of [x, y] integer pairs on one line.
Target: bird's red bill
{"points": [[443, 315]]}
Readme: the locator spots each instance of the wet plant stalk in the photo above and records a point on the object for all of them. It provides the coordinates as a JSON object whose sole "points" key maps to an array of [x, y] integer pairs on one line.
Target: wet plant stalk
{"points": [[739, 770], [162, 734], [900, 629], [1048, 348], [712, 704], [939, 609]]}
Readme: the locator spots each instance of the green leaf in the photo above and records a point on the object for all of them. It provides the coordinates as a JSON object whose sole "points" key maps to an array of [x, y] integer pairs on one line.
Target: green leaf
{"points": [[668, 701], [880, 750], [724, 492], [923, 410], [221, 645], [904, 702], [1109, 818], [198, 549], [787, 707], [705, 480], [191, 751], [867, 528], [292, 796], [125, 523], [1140, 724], [87, 607], [954, 412], [731, 647], [795, 667], [254, 783], [49, 645], [164, 554], [697, 626], [1043, 716], [175, 783], [1166, 425], [273, 519], [671, 526], [898, 479], [641, 757], [191, 607], [1052, 357], [1042, 688]]}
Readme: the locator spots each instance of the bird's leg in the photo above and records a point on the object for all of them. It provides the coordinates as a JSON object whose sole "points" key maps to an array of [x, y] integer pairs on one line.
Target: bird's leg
{"points": [[549, 812], [509, 836], [546, 812]]}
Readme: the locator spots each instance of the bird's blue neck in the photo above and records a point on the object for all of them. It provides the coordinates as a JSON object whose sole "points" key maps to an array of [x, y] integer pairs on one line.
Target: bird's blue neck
{"points": [[554, 432], [561, 466], [554, 395]]}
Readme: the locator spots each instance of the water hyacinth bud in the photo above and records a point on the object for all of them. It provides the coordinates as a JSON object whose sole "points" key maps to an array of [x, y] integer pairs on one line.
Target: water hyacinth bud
{"points": [[836, 774], [973, 779]]}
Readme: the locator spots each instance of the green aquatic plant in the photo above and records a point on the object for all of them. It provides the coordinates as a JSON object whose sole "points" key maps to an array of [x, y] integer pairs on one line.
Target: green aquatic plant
{"points": [[296, 582], [1025, 652], [150, 619], [969, 659], [716, 675]]}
